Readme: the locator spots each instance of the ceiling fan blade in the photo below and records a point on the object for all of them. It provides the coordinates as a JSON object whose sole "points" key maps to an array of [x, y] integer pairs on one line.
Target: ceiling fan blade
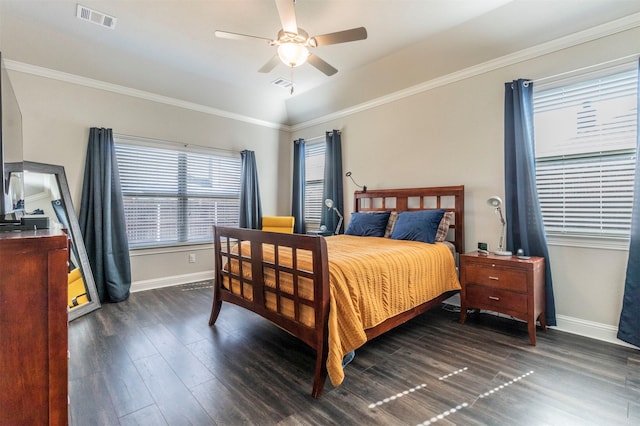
{"points": [[236, 36], [287, 13], [271, 64], [353, 34], [321, 65]]}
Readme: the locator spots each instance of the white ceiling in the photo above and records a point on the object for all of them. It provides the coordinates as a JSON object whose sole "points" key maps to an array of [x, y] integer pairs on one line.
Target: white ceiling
{"points": [[167, 47]]}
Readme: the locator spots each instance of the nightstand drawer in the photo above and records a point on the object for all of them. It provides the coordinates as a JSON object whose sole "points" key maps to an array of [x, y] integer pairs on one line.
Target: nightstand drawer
{"points": [[495, 299], [494, 276]]}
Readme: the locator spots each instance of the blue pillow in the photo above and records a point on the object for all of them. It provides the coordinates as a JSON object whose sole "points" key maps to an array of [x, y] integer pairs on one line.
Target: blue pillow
{"points": [[368, 224], [419, 225]]}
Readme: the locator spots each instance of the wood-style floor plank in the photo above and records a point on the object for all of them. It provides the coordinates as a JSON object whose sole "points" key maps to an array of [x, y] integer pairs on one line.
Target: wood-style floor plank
{"points": [[153, 360], [181, 360], [90, 402], [173, 398], [148, 416]]}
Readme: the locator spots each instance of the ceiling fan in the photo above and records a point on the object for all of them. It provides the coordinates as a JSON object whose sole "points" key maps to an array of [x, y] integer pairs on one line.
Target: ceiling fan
{"points": [[294, 43]]}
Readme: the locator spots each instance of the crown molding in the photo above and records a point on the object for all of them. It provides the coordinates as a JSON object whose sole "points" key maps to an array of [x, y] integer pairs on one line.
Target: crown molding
{"points": [[600, 31], [591, 34], [128, 91]]}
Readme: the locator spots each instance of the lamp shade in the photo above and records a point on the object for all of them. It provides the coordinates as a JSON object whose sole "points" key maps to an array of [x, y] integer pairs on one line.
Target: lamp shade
{"points": [[494, 201], [328, 202], [293, 54]]}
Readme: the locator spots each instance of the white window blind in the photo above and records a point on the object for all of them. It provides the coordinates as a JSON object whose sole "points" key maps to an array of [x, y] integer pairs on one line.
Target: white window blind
{"points": [[585, 155], [314, 183], [173, 197]]}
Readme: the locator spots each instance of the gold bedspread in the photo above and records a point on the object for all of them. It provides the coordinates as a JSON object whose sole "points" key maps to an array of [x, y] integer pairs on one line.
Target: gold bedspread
{"points": [[371, 279]]}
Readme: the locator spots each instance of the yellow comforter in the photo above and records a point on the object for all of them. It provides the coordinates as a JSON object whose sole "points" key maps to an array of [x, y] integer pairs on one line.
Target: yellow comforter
{"points": [[372, 279]]}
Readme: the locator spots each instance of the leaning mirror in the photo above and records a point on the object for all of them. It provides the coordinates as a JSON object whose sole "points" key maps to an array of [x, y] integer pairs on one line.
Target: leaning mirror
{"points": [[46, 193]]}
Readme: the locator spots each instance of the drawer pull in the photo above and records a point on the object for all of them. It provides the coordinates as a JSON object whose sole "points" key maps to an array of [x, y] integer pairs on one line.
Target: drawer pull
{"points": [[493, 278], [494, 298]]}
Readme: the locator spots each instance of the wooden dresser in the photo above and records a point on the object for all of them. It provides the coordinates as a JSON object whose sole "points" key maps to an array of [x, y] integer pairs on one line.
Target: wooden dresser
{"points": [[505, 284], [33, 328]]}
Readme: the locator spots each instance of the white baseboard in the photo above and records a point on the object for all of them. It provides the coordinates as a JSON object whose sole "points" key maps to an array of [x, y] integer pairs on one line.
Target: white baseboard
{"points": [[593, 330], [584, 328], [171, 281]]}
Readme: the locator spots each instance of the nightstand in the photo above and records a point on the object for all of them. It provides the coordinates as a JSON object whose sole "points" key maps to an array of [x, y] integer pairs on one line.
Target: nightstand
{"points": [[504, 284]]}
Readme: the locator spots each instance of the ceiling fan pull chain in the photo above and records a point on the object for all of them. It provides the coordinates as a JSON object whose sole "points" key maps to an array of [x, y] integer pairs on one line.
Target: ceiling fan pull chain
{"points": [[292, 83]]}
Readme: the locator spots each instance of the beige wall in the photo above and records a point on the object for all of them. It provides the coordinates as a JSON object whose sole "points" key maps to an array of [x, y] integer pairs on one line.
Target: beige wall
{"points": [[453, 134], [56, 121]]}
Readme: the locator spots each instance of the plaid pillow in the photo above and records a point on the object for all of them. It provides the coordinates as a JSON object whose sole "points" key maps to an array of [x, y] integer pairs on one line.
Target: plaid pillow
{"points": [[443, 228], [390, 224]]}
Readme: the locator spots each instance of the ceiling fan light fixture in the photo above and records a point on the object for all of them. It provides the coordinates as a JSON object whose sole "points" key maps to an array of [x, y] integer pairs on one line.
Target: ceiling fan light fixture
{"points": [[293, 54], [293, 43]]}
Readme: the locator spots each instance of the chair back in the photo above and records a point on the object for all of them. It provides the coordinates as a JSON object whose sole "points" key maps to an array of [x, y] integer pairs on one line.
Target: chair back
{"points": [[282, 224]]}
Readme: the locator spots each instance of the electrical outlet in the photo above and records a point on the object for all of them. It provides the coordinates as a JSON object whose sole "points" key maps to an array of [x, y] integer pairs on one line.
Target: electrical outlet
{"points": [[482, 246], [192, 258]]}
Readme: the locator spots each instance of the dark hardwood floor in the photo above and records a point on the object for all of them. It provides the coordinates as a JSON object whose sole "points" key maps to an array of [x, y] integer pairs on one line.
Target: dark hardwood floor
{"points": [[153, 360]]}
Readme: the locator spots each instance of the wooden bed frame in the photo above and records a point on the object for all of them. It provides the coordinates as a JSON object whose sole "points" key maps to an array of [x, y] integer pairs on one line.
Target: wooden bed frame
{"points": [[254, 291]]}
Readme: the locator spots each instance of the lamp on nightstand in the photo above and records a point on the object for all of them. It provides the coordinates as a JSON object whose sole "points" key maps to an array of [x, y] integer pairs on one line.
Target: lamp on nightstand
{"points": [[329, 203], [496, 202]]}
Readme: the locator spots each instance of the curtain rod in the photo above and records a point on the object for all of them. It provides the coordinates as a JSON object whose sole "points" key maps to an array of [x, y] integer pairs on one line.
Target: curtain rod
{"points": [[310, 140], [588, 67], [154, 141], [318, 138]]}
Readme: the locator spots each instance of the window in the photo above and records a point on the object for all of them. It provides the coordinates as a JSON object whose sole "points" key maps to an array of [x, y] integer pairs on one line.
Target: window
{"points": [[173, 196], [585, 154], [314, 183]]}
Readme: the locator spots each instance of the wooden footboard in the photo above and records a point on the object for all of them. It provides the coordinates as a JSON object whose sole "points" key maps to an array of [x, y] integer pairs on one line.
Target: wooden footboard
{"points": [[276, 289]]}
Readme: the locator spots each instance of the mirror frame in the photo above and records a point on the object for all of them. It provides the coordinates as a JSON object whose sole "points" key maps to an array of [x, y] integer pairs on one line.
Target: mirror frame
{"points": [[76, 235]]}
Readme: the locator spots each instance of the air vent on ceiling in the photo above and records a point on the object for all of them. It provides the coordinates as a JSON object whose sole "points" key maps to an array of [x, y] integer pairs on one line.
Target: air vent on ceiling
{"points": [[282, 82], [86, 14]]}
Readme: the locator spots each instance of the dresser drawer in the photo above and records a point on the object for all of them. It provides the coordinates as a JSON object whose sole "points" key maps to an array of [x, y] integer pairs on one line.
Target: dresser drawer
{"points": [[495, 299], [495, 276]]}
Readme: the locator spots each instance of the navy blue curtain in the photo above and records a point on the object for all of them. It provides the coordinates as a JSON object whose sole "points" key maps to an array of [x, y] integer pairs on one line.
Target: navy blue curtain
{"points": [[629, 326], [250, 204], [297, 198], [333, 180], [102, 218], [525, 228]]}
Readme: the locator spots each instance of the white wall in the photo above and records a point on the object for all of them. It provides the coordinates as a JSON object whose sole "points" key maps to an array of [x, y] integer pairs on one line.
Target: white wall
{"points": [[453, 134], [56, 120]]}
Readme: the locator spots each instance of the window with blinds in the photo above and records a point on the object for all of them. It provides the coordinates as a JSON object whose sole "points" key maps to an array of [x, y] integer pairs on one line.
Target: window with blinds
{"points": [[173, 197], [314, 183], [586, 133]]}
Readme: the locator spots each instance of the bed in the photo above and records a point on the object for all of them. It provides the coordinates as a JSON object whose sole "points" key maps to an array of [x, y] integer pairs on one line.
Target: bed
{"points": [[335, 293]]}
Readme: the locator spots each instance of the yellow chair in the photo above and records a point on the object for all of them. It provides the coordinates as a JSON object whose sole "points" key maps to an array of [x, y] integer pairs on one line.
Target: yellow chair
{"points": [[77, 293], [282, 224]]}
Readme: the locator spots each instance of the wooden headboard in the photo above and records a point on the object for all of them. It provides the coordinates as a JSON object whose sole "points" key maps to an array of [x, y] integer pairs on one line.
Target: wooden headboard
{"points": [[449, 198]]}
